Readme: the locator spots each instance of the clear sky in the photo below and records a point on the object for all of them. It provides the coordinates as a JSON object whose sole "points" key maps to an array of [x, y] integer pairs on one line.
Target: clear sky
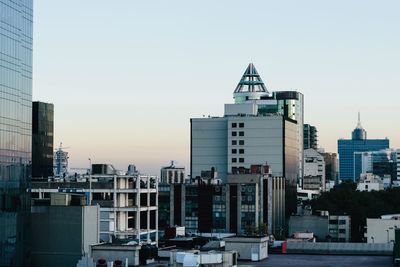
{"points": [[126, 76]]}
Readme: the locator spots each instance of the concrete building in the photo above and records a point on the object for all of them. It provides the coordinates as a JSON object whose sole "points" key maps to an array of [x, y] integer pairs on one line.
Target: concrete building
{"points": [[381, 163], [314, 171], [369, 182], [248, 248], [62, 235], [128, 204], [125, 254], [310, 137], [333, 228], [382, 230], [358, 143], [207, 205], [172, 174], [331, 165], [260, 127]]}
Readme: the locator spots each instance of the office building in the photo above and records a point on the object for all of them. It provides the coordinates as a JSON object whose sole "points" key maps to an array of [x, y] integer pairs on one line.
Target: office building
{"points": [[260, 127], [207, 205], [310, 137], [326, 227], [15, 129], [60, 164], [172, 174], [128, 204], [63, 231], [381, 163], [358, 143], [42, 139], [331, 165], [369, 182], [314, 171]]}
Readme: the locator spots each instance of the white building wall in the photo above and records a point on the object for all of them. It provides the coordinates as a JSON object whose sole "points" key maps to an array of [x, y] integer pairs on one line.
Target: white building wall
{"points": [[262, 137], [381, 230], [314, 165], [209, 146]]}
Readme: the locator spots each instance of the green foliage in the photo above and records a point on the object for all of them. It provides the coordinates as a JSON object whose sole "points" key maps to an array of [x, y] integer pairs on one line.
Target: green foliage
{"points": [[344, 199]]}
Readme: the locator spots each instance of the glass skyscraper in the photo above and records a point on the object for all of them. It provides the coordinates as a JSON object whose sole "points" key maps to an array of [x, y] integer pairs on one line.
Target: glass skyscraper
{"points": [[15, 129], [358, 143]]}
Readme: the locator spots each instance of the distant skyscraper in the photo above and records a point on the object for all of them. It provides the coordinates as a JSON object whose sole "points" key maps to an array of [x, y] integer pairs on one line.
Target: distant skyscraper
{"points": [[15, 129], [260, 127], [42, 139], [310, 137], [358, 143]]}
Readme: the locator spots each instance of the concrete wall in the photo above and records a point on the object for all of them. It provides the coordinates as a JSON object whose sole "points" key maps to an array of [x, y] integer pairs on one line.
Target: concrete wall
{"points": [[312, 224], [111, 253], [60, 236], [246, 246], [381, 231], [209, 146]]}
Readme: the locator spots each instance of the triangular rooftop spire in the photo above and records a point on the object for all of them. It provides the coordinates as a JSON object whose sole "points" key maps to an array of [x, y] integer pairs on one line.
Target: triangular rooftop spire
{"points": [[251, 81]]}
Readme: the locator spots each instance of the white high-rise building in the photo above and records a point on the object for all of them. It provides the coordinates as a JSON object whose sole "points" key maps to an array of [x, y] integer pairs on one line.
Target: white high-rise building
{"points": [[314, 171], [398, 163], [261, 127]]}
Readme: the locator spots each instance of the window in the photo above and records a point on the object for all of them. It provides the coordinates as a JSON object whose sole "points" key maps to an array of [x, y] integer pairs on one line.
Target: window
{"points": [[234, 133], [234, 160], [241, 125], [241, 151], [241, 142], [241, 134], [241, 160], [234, 142], [234, 151], [234, 125]]}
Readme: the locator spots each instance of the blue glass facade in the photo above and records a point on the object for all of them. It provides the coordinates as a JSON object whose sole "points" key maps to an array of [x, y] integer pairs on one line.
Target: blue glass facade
{"points": [[15, 129], [346, 149]]}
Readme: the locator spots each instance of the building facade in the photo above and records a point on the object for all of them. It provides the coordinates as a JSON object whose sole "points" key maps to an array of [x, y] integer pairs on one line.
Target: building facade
{"points": [[261, 127], [382, 230], [128, 204], [358, 143], [15, 129], [310, 137], [314, 171], [382, 163], [42, 139], [172, 174]]}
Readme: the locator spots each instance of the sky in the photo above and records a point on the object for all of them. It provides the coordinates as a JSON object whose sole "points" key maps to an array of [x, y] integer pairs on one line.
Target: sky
{"points": [[126, 76]]}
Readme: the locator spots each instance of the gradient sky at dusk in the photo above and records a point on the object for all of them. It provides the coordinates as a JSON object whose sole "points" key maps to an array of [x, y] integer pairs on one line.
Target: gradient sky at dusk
{"points": [[126, 76]]}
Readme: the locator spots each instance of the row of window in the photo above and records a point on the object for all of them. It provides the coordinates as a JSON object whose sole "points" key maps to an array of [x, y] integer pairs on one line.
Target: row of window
{"points": [[235, 125], [235, 142], [235, 151], [235, 160], [241, 133]]}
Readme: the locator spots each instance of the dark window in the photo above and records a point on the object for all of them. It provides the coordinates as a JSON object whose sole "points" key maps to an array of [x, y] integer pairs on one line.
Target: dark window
{"points": [[241, 142], [234, 142], [241, 160], [234, 151], [234, 160], [234, 133], [234, 125], [241, 133], [241, 125], [241, 151]]}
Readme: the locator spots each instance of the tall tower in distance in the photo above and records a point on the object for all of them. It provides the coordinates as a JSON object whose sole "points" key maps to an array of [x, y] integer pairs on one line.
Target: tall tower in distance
{"points": [[358, 143], [15, 130], [42, 139]]}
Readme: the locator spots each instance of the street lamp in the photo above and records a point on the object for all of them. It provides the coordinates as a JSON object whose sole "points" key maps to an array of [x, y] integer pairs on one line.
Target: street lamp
{"points": [[372, 238]]}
